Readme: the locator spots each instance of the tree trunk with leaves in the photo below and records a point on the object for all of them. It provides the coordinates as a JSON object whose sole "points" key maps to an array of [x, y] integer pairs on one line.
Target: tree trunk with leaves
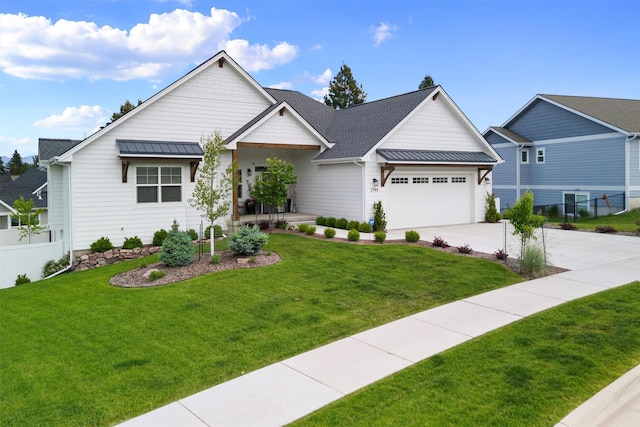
{"points": [[28, 218], [272, 187]]}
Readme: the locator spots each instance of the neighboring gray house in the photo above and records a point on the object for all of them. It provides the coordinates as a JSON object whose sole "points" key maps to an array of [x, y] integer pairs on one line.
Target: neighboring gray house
{"points": [[570, 151]]}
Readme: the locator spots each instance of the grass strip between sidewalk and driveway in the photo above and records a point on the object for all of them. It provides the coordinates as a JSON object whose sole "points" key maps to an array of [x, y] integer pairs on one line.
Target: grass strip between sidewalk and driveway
{"points": [[531, 373], [78, 351]]}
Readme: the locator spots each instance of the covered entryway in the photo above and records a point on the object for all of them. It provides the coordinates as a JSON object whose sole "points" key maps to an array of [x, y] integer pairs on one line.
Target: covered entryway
{"points": [[427, 197]]}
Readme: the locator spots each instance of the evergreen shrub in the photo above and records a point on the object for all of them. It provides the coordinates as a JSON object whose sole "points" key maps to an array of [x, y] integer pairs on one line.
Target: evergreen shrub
{"points": [[411, 236], [177, 249], [330, 222], [353, 235], [248, 241], [311, 230], [132, 242], [353, 225], [380, 236], [159, 236], [103, 244], [22, 279], [329, 233], [364, 227]]}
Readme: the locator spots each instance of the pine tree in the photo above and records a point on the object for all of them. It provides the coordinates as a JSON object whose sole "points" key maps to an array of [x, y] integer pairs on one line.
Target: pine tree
{"points": [[16, 165], [124, 109], [426, 82], [344, 91], [2, 166]]}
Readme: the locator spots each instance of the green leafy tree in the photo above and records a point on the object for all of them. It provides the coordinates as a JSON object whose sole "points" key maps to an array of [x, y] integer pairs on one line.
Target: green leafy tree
{"points": [[344, 91], [27, 217], [124, 109], [16, 165], [211, 198], [524, 221], [272, 187], [426, 82]]}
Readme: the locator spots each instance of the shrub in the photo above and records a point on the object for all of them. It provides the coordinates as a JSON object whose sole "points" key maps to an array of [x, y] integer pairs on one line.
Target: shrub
{"points": [[353, 225], [329, 233], [583, 213], [364, 227], [281, 225], [532, 262], [103, 244], [22, 279], [132, 242], [638, 224], [311, 230], [330, 222], [380, 236], [264, 224], [342, 223], [466, 249], [353, 235], [491, 213], [500, 254], [247, 241], [193, 234], [379, 218], [51, 266], [568, 226], [320, 220], [553, 211], [411, 236], [159, 236], [605, 229], [215, 258], [156, 274], [303, 227], [177, 249], [439, 242], [217, 232]]}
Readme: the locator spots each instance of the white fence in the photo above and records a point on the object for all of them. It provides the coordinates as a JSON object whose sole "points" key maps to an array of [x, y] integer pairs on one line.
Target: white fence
{"points": [[26, 259]]}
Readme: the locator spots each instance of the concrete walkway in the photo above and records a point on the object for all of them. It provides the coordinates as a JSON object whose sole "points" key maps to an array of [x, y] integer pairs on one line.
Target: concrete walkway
{"points": [[285, 391]]}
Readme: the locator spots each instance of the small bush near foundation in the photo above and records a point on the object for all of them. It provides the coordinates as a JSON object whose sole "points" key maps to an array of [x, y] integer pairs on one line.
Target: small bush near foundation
{"points": [[342, 223], [380, 236], [264, 224], [132, 242], [177, 249], [103, 244], [22, 279], [583, 213], [364, 227], [532, 263], [329, 233], [320, 220], [605, 229], [215, 258], [439, 242], [303, 227], [466, 249], [411, 236], [311, 230], [193, 234], [159, 236], [52, 266], [330, 222], [500, 254], [156, 274], [353, 235], [553, 211], [353, 225], [248, 241], [568, 226], [281, 225]]}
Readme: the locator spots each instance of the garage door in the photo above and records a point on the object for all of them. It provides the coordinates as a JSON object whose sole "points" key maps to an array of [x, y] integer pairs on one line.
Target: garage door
{"points": [[424, 199]]}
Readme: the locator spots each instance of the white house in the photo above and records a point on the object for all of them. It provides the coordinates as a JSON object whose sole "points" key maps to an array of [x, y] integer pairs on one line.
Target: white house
{"points": [[417, 153]]}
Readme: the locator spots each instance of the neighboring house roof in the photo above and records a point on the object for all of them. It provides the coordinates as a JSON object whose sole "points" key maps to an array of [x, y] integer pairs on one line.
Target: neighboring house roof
{"points": [[509, 135], [158, 148], [49, 148], [425, 156], [620, 113], [23, 186]]}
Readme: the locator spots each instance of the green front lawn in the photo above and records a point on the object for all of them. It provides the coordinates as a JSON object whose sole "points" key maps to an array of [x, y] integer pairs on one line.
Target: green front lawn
{"points": [[76, 351], [530, 373], [625, 222]]}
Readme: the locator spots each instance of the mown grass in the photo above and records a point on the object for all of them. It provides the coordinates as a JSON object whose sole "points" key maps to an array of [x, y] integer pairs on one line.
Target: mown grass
{"points": [[77, 351], [625, 222], [531, 373]]}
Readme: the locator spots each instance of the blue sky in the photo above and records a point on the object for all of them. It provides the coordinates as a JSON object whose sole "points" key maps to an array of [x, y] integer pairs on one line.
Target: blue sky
{"points": [[67, 65]]}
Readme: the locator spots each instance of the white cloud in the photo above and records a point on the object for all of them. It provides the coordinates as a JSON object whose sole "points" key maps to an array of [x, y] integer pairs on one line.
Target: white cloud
{"points": [[317, 47], [323, 78], [319, 94], [282, 85], [84, 117], [382, 32], [25, 146], [34, 47]]}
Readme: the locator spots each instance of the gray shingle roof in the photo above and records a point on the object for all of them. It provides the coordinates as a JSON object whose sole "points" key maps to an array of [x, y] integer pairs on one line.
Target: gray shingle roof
{"points": [[510, 134], [621, 113], [159, 148], [49, 147], [425, 156], [24, 186]]}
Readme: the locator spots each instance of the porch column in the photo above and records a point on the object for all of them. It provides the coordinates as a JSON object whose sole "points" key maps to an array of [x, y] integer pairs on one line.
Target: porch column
{"points": [[234, 162]]}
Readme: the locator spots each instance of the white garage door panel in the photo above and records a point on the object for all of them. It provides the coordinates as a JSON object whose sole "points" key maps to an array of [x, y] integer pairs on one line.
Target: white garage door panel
{"points": [[425, 199]]}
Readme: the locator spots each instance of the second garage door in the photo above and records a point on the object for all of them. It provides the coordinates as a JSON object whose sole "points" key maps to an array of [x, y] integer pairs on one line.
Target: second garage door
{"points": [[420, 199]]}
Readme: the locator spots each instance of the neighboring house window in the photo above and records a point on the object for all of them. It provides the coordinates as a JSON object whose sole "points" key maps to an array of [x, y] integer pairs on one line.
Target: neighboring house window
{"points": [[524, 156], [575, 202], [540, 155], [148, 185], [4, 222]]}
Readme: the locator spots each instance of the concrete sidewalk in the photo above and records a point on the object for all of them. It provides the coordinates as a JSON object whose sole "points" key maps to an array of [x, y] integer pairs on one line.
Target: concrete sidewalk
{"points": [[290, 389]]}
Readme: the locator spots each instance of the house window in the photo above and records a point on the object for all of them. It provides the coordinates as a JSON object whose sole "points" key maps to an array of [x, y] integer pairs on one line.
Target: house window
{"points": [[4, 222], [574, 203], [148, 185], [440, 180], [540, 155], [400, 180], [524, 156], [459, 179], [421, 180]]}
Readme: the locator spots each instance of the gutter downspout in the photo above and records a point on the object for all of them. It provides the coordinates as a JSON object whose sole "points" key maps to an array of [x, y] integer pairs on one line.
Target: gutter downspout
{"points": [[355, 162], [67, 268], [518, 158], [627, 168]]}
